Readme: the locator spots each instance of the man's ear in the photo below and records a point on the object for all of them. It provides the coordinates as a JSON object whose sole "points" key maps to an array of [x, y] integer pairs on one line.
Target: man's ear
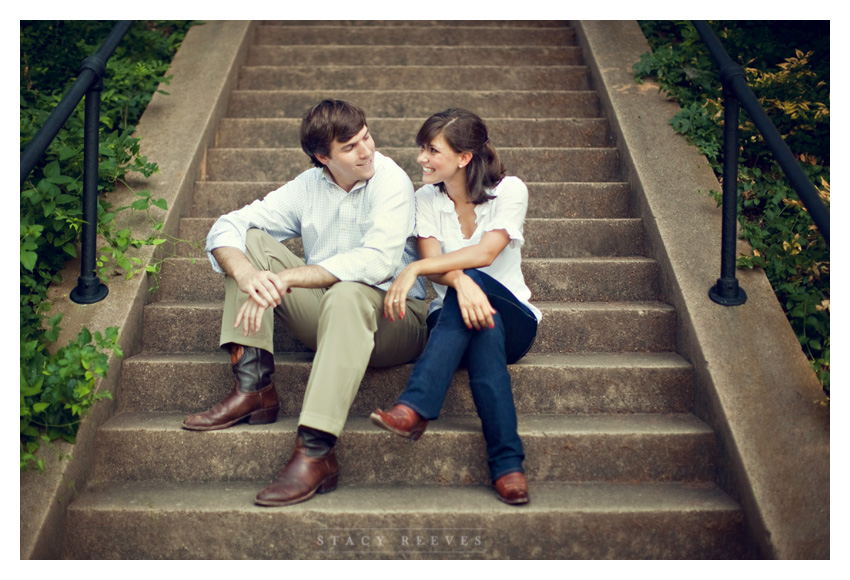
{"points": [[323, 159]]}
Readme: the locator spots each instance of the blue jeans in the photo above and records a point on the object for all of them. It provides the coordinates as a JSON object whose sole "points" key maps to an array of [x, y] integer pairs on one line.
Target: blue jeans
{"points": [[485, 353]]}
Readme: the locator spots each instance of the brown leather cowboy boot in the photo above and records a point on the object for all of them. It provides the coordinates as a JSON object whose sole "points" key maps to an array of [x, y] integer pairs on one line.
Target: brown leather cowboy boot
{"points": [[253, 396], [312, 469], [401, 420], [512, 488]]}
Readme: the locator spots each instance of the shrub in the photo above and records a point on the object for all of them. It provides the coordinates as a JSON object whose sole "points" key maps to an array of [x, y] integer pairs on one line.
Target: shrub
{"points": [[58, 387], [787, 66]]}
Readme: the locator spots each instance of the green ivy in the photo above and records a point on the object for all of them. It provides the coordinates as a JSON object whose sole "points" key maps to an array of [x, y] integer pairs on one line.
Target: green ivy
{"points": [[787, 66], [57, 389], [57, 384]]}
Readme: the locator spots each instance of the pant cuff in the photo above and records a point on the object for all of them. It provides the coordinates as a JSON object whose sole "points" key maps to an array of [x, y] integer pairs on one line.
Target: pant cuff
{"points": [[322, 423]]}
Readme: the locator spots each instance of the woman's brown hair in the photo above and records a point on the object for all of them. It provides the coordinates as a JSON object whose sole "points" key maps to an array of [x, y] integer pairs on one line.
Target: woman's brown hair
{"points": [[465, 131]]}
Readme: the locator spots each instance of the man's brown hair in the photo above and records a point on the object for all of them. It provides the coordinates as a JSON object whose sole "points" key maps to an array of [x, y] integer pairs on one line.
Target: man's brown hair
{"points": [[328, 121]]}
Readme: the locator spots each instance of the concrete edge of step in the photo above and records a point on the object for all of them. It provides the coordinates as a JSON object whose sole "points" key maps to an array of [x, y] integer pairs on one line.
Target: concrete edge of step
{"points": [[175, 131], [760, 395]]}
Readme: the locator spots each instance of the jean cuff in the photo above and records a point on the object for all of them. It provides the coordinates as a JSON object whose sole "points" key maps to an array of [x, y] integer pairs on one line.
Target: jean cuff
{"points": [[415, 408], [507, 471]]}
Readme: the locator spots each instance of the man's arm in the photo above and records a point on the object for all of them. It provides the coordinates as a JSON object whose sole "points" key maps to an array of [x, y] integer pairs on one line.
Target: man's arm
{"points": [[378, 254], [267, 288]]}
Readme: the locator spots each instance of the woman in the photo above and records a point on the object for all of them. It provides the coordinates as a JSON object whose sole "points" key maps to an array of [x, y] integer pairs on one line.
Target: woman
{"points": [[469, 221]]}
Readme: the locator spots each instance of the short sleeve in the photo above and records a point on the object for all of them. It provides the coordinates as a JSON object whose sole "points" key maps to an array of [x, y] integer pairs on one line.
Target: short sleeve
{"points": [[427, 213], [508, 210]]}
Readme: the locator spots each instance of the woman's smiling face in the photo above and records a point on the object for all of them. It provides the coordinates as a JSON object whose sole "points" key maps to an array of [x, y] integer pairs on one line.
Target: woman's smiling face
{"points": [[440, 163]]}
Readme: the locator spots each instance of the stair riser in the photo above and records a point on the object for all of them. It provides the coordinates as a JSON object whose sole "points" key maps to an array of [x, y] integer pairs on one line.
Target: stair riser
{"points": [[284, 133], [537, 164], [420, 104], [414, 36], [601, 281], [190, 387], [369, 457], [546, 200], [292, 534], [469, 78], [414, 56], [169, 328], [544, 238]]}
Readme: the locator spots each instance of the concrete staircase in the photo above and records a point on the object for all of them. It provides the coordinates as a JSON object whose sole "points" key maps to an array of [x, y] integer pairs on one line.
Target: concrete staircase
{"points": [[619, 467]]}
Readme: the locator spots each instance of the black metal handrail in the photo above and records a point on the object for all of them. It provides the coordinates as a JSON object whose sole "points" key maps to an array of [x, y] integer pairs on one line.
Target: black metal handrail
{"points": [[89, 84], [736, 94]]}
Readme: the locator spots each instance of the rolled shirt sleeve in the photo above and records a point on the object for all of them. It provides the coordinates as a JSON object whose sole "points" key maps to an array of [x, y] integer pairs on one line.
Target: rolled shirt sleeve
{"points": [[278, 214]]}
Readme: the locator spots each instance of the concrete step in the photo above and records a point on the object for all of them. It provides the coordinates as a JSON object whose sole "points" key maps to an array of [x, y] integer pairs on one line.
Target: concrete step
{"points": [[550, 279], [545, 164], [542, 383], [284, 133], [420, 103], [209, 520], [546, 200], [305, 55], [544, 238], [567, 327], [424, 23], [333, 78], [612, 448], [412, 35]]}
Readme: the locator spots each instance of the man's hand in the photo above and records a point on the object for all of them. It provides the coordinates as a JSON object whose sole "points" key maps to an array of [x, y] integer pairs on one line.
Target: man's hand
{"points": [[250, 317], [264, 288]]}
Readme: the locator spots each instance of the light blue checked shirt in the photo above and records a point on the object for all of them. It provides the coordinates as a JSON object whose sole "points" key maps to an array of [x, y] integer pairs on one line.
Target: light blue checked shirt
{"points": [[365, 235]]}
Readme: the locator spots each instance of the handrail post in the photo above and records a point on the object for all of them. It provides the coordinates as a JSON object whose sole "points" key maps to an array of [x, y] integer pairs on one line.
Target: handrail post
{"points": [[89, 287], [727, 292]]}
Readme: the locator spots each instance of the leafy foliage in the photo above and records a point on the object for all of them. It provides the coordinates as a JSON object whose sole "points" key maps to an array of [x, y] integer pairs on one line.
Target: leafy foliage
{"points": [[787, 66], [58, 388], [51, 204]]}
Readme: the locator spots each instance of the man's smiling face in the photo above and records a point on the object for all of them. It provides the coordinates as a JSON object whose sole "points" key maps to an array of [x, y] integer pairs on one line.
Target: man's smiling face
{"points": [[351, 161]]}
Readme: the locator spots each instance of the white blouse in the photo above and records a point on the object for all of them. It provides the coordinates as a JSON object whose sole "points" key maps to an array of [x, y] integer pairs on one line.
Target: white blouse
{"points": [[436, 218]]}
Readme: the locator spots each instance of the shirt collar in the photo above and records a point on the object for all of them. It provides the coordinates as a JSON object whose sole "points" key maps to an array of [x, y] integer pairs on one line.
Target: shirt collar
{"points": [[446, 205]]}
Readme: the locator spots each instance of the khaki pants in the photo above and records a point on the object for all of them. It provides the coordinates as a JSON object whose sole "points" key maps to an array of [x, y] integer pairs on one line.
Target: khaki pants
{"points": [[343, 324]]}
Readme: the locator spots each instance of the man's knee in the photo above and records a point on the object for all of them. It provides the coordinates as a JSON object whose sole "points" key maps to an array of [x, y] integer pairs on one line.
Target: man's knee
{"points": [[255, 242], [351, 296]]}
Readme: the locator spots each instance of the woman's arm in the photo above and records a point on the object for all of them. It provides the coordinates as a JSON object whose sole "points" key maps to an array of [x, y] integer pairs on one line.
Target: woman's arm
{"points": [[447, 269], [435, 263]]}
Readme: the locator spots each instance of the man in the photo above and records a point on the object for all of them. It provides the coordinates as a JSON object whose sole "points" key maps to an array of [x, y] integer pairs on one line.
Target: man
{"points": [[355, 214]]}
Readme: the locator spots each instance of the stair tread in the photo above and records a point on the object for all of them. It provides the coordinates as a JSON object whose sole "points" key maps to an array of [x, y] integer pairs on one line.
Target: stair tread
{"points": [[559, 306], [379, 499], [578, 360], [571, 260], [661, 424]]}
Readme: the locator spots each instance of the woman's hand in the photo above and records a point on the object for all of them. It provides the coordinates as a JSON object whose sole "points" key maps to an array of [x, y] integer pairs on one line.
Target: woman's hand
{"points": [[474, 306], [396, 297]]}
